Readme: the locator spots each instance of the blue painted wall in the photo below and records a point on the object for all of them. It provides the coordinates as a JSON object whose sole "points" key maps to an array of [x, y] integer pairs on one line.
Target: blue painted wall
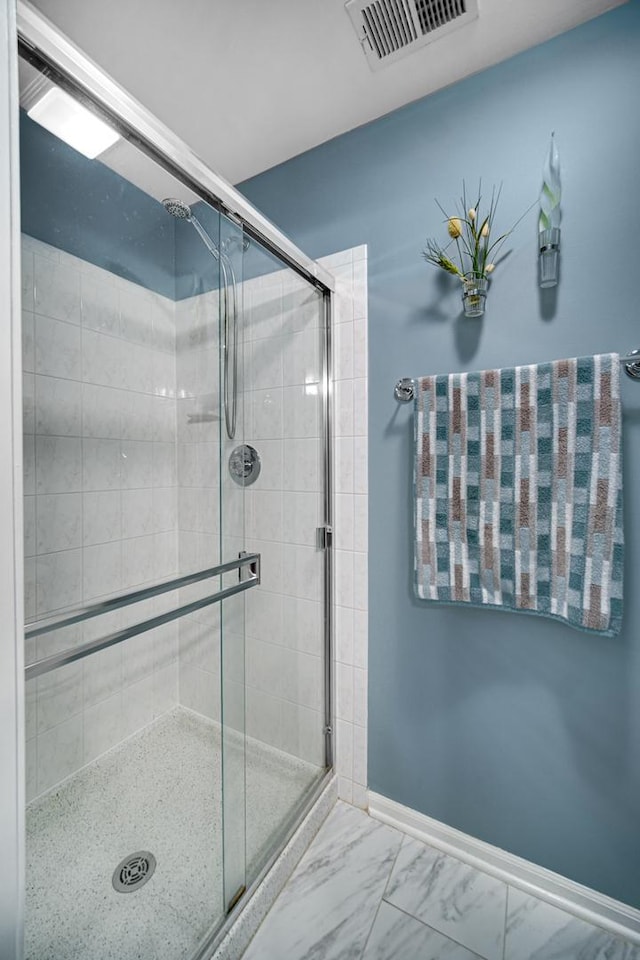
{"points": [[83, 207], [520, 731]]}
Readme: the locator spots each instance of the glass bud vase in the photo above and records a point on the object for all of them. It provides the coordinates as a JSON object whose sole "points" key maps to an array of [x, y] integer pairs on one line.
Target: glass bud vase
{"points": [[474, 294], [549, 247]]}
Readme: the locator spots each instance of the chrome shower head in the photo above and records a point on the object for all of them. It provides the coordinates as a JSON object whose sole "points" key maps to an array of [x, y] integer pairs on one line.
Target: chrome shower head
{"points": [[182, 211], [177, 208]]}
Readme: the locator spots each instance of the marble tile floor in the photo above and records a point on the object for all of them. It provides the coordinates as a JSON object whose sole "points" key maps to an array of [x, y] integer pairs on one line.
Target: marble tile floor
{"points": [[158, 791], [364, 891]]}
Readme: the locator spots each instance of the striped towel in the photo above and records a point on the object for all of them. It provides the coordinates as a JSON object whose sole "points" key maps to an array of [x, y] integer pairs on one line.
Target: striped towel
{"points": [[518, 486]]}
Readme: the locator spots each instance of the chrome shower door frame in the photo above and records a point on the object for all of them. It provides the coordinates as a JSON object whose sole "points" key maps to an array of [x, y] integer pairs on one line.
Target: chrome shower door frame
{"points": [[76, 72]]}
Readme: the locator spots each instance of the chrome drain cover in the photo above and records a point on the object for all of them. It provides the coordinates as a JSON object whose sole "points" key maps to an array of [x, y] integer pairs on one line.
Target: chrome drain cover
{"points": [[133, 872]]}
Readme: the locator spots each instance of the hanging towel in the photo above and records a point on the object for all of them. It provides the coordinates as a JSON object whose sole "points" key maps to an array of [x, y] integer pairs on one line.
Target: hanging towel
{"points": [[518, 490]]}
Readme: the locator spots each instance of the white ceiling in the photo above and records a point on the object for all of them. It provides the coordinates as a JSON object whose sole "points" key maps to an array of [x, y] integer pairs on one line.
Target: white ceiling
{"points": [[250, 83]]}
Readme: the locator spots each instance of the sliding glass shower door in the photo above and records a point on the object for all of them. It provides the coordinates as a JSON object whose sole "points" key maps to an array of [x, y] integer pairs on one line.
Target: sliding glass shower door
{"points": [[285, 402], [135, 731], [175, 454]]}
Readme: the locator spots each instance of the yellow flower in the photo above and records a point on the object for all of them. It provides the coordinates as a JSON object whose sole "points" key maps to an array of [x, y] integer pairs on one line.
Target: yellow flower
{"points": [[472, 214], [490, 267], [454, 226], [485, 229]]}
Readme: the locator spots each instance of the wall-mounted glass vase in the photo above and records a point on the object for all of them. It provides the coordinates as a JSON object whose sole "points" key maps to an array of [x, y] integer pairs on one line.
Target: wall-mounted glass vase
{"points": [[474, 294]]}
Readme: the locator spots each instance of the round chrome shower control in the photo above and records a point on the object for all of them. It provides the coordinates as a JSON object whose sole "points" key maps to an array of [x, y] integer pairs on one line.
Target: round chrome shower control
{"points": [[244, 465]]}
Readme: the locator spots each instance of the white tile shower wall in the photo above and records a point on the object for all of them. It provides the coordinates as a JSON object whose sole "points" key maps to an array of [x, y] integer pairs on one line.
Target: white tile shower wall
{"points": [[100, 499], [351, 521]]}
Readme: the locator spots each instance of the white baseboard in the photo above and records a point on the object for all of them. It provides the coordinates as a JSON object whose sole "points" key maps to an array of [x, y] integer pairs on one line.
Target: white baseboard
{"points": [[576, 899]]}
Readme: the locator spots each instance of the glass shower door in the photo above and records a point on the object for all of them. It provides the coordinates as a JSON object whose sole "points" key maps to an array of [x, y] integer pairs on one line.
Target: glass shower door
{"points": [[210, 414], [284, 392], [273, 501], [135, 729]]}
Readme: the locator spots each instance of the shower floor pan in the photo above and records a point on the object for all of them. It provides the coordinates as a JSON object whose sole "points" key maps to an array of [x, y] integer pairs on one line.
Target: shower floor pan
{"points": [[160, 792]]}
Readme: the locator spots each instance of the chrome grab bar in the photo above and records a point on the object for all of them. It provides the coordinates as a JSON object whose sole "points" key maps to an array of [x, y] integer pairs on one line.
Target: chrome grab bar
{"points": [[45, 665]]}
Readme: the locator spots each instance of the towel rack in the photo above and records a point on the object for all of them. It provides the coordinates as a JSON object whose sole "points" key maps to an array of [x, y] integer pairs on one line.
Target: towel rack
{"points": [[404, 389]]}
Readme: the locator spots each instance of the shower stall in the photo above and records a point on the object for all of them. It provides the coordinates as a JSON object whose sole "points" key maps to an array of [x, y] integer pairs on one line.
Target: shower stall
{"points": [[177, 521]]}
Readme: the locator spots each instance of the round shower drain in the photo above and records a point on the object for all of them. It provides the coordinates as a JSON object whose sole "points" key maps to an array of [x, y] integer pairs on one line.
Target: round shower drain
{"points": [[133, 872]]}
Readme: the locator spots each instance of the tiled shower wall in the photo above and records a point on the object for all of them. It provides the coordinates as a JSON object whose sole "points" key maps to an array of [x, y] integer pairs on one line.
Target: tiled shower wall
{"points": [[120, 380], [351, 521], [100, 499]]}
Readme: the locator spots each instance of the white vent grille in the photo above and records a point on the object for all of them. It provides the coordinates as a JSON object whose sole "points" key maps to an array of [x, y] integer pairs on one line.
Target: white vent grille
{"points": [[391, 29]]}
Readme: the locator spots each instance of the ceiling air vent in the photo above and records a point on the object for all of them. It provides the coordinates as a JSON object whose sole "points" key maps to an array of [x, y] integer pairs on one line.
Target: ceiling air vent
{"points": [[391, 29]]}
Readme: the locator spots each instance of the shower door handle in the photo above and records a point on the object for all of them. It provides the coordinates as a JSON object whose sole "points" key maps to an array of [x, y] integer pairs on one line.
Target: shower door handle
{"points": [[248, 561]]}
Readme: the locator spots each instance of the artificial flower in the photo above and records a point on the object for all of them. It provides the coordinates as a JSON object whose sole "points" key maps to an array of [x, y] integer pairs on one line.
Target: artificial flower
{"points": [[474, 252]]}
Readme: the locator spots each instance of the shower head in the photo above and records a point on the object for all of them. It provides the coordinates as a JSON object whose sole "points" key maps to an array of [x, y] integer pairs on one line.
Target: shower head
{"points": [[177, 208], [182, 211]]}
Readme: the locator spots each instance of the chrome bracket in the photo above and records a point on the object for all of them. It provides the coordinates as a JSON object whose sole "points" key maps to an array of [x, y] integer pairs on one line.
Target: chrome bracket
{"points": [[633, 369], [404, 390], [250, 571], [324, 536]]}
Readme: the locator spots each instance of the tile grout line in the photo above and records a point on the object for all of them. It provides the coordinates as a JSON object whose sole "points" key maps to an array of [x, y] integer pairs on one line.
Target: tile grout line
{"points": [[368, 937], [428, 926], [391, 868], [395, 860], [407, 837]]}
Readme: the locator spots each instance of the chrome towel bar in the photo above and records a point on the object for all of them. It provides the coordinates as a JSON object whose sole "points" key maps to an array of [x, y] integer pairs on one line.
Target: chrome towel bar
{"points": [[404, 390], [39, 667]]}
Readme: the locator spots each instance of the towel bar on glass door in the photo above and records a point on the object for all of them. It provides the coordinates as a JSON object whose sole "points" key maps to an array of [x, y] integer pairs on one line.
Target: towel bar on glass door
{"points": [[404, 390], [80, 615]]}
